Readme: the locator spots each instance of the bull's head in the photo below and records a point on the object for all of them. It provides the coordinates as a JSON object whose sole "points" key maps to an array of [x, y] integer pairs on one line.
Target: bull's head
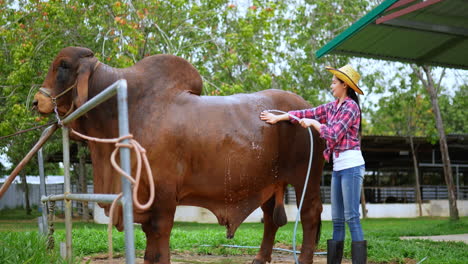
{"points": [[66, 83]]}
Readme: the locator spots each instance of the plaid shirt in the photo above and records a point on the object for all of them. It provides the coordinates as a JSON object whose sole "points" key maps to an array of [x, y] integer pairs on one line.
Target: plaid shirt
{"points": [[340, 126]]}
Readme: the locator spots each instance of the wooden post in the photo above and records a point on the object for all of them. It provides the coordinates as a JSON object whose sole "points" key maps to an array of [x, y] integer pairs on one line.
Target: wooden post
{"points": [[26, 191], [82, 177]]}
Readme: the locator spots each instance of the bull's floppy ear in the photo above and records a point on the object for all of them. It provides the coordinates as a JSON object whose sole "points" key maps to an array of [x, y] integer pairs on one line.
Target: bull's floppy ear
{"points": [[82, 86], [84, 71], [86, 62]]}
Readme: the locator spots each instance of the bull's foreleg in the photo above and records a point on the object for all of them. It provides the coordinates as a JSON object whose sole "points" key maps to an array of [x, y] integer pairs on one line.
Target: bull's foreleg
{"points": [[311, 223], [269, 232], [158, 232]]}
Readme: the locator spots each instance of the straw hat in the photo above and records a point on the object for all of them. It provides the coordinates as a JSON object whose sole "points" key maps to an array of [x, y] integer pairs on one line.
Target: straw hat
{"points": [[348, 75]]}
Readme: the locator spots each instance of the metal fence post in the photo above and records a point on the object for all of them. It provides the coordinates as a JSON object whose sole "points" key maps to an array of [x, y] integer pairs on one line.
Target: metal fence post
{"points": [[126, 186], [67, 190], [42, 189]]}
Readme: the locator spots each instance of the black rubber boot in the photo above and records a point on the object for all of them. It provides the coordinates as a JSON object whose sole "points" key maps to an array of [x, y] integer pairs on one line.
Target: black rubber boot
{"points": [[359, 252], [334, 251]]}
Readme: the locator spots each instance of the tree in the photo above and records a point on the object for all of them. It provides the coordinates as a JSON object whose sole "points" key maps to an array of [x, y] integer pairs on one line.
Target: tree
{"points": [[431, 88], [406, 112], [24, 184]]}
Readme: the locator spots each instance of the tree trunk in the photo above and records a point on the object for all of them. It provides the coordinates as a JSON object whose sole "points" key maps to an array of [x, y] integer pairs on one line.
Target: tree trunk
{"points": [[429, 84], [82, 179], [363, 203], [26, 192], [416, 176]]}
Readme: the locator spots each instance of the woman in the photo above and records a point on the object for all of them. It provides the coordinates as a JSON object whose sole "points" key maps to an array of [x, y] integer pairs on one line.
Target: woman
{"points": [[339, 123]]}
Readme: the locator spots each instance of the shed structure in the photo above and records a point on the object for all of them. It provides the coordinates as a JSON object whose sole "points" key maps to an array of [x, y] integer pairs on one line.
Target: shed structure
{"points": [[430, 32]]}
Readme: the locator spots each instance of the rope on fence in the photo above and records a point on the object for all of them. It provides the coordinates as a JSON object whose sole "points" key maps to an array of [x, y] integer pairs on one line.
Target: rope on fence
{"points": [[140, 154], [51, 230]]}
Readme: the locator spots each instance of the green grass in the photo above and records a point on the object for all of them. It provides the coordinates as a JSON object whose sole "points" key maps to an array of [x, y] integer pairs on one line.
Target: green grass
{"points": [[25, 247], [19, 214], [385, 245], [382, 235]]}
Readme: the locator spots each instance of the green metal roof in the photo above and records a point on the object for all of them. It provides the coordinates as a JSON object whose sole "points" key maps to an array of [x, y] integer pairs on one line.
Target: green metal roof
{"points": [[432, 32]]}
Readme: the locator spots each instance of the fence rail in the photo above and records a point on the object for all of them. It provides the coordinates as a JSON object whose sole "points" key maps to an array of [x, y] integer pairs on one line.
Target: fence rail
{"points": [[391, 194], [14, 197]]}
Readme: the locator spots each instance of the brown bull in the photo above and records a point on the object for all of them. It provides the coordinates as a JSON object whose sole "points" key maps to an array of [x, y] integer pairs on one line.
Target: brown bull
{"points": [[207, 151]]}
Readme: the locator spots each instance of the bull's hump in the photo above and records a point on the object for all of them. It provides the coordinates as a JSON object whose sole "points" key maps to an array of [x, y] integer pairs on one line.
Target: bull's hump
{"points": [[230, 100], [172, 69], [276, 92]]}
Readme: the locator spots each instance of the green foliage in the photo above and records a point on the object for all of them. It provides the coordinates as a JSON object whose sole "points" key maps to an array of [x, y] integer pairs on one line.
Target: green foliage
{"points": [[453, 109], [235, 48], [405, 111]]}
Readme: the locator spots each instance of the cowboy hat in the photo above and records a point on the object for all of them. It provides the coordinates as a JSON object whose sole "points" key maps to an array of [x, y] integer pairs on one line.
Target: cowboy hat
{"points": [[348, 75]]}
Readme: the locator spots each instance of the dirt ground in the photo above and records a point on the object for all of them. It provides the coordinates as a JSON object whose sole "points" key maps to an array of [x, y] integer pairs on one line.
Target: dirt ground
{"points": [[277, 258]]}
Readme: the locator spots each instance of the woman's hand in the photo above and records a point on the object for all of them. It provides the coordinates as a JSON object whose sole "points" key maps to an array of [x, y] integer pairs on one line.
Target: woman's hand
{"points": [[307, 122], [272, 118], [268, 117]]}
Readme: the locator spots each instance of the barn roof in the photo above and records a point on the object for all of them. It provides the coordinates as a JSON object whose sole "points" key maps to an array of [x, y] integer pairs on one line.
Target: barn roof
{"points": [[430, 32]]}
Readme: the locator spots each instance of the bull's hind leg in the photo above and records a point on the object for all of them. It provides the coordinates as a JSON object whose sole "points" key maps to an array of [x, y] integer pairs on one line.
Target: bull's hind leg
{"points": [[269, 229], [311, 223], [158, 232]]}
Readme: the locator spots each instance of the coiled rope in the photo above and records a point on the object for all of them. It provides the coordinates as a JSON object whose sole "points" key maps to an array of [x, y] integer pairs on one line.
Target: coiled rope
{"points": [[51, 229], [140, 154]]}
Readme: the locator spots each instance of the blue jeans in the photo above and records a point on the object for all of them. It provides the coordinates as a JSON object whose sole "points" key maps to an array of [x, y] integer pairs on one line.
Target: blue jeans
{"points": [[345, 197]]}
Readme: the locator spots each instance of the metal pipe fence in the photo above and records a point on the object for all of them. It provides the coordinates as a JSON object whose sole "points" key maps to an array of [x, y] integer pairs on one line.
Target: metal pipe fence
{"points": [[119, 88], [390, 194]]}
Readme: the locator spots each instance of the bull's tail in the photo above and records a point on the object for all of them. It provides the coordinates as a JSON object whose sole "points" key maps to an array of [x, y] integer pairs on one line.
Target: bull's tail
{"points": [[279, 214]]}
